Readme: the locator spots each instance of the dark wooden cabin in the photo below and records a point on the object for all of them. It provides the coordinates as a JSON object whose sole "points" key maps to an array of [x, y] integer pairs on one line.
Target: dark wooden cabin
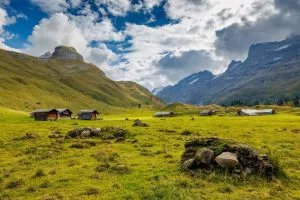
{"points": [[64, 113], [207, 112], [164, 114], [45, 115], [88, 114]]}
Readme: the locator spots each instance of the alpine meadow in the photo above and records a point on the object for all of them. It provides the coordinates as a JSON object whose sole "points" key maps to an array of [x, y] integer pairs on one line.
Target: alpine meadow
{"points": [[149, 99]]}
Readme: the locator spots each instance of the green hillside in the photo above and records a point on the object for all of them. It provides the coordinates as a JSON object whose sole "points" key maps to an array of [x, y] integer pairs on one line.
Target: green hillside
{"points": [[28, 83]]}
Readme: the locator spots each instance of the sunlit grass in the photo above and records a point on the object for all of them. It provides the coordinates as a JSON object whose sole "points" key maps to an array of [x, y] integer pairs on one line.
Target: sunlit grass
{"points": [[43, 168]]}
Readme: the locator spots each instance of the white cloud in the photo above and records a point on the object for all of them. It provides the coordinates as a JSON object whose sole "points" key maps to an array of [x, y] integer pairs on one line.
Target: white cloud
{"points": [[57, 30], [198, 20], [75, 3], [61, 29], [51, 6], [115, 7]]}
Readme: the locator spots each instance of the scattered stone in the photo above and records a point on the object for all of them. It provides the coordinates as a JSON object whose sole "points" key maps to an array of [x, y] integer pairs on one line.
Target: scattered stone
{"points": [[139, 123], [107, 133], [227, 159]]}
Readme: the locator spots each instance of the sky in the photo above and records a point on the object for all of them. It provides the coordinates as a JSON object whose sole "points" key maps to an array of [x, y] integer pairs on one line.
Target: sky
{"points": [[153, 42]]}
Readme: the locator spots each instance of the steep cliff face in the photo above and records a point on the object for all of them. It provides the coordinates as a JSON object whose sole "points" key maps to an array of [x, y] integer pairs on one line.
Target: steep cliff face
{"points": [[270, 72], [66, 53]]}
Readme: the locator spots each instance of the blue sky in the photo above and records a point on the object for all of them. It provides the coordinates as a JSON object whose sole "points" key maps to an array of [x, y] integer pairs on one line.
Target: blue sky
{"points": [[152, 42]]}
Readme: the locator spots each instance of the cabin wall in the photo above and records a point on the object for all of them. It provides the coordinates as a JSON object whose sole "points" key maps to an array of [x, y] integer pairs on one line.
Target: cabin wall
{"points": [[52, 116], [94, 116], [41, 116]]}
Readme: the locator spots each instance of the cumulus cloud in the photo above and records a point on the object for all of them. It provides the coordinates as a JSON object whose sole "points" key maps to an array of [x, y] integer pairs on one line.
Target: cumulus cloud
{"points": [[115, 7], [61, 29], [178, 65], [51, 6], [233, 41]]}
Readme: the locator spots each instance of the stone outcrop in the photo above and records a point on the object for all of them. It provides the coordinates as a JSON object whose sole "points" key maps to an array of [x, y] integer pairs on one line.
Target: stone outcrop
{"points": [[139, 123], [214, 153], [106, 133], [66, 53]]}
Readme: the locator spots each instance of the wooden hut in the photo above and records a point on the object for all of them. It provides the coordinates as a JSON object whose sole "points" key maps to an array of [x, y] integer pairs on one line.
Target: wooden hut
{"points": [[64, 113], [164, 114], [45, 114], [252, 112], [207, 112], [87, 114]]}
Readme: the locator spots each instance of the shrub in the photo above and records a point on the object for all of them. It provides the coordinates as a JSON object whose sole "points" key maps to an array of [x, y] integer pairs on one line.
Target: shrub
{"points": [[45, 184], [186, 132], [92, 191], [102, 167], [120, 169], [14, 183], [39, 173]]}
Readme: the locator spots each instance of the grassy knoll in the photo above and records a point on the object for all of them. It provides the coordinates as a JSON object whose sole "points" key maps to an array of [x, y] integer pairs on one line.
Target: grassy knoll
{"points": [[146, 165]]}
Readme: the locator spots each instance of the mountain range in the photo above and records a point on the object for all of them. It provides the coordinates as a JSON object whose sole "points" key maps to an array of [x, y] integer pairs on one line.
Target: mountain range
{"points": [[271, 72], [62, 79]]}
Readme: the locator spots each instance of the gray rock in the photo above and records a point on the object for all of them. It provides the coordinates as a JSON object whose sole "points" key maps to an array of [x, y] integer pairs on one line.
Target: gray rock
{"points": [[188, 164], [96, 132], [227, 159], [66, 53], [86, 133], [204, 156]]}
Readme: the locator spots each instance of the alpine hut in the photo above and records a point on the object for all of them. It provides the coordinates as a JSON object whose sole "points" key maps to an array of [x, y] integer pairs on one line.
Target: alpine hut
{"points": [[64, 113], [207, 112], [164, 114], [252, 112], [45, 114], [87, 114]]}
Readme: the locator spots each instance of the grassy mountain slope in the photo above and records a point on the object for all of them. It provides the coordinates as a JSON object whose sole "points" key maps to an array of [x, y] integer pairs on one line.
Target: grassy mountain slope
{"points": [[28, 83]]}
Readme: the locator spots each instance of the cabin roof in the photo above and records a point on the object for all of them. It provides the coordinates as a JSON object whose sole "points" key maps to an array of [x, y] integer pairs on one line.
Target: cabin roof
{"points": [[164, 113], [87, 111], [256, 112], [206, 111], [61, 110], [44, 110]]}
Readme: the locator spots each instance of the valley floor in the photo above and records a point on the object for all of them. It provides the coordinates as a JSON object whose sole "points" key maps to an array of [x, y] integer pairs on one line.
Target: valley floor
{"points": [[44, 168]]}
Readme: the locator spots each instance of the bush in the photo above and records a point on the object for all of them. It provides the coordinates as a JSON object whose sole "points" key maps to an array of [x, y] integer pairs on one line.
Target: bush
{"points": [[39, 173], [92, 191], [186, 132], [102, 167], [14, 183]]}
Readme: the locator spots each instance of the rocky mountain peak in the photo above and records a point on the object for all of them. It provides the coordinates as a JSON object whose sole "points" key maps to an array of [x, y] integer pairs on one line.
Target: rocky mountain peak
{"points": [[234, 64], [46, 55], [66, 53]]}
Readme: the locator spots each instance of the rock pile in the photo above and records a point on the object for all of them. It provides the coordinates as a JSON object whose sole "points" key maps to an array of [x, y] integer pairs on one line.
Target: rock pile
{"points": [[138, 122], [106, 133], [214, 153]]}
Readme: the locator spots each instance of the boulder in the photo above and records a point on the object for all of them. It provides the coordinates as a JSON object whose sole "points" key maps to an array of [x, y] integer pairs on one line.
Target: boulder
{"points": [[86, 133], [96, 132], [204, 156], [188, 164], [139, 123], [227, 159]]}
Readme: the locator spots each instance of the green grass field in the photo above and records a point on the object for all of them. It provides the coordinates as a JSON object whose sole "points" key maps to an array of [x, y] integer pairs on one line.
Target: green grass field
{"points": [[44, 168]]}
